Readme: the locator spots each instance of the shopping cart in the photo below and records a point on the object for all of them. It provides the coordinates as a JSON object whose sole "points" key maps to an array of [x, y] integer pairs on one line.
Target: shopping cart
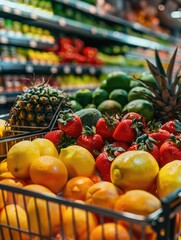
{"points": [[164, 224]]}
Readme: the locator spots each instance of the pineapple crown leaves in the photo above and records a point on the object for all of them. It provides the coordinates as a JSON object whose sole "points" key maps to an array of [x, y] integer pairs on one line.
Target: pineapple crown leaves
{"points": [[33, 81], [66, 116], [164, 80], [145, 142], [175, 140], [177, 125]]}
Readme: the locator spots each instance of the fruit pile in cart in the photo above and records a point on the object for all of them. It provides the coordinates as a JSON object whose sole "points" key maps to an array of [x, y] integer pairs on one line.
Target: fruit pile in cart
{"points": [[117, 148]]}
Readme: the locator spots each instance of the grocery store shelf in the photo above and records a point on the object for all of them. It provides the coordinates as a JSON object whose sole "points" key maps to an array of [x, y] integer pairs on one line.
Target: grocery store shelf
{"points": [[56, 23], [9, 67], [93, 10], [23, 41]]}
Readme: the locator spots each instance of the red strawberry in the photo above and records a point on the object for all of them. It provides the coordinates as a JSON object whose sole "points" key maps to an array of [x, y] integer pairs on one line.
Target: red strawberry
{"points": [[134, 115], [170, 150], [104, 160], [160, 136], [128, 130], [90, 140], [117, 147], [70, 123], [54, 136], [155, 131], [172, 126], [106, 125], [146, 143]]}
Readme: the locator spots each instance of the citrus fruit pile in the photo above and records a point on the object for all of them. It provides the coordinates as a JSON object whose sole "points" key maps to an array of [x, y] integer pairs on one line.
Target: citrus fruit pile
{"points": [[121, 162]]}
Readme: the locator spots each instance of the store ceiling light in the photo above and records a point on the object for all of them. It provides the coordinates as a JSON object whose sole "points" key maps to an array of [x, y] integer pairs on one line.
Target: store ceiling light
{"points": [[176, 14], [161, 7]]}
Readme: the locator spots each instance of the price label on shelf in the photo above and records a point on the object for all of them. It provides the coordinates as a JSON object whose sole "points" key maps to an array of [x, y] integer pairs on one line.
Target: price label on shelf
{"points": [[17, 11], [66, 69], [78, 70], [33, 16], [92, 70], [53, 69], [29, 68], [4, 40], [92, 10], [93, 30], [62, 22], [33, 44], [6, 9]]}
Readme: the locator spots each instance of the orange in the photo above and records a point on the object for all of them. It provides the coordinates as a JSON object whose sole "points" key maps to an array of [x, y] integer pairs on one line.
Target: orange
{"points": [[22, 200], [138, 202], [103, 194], [50, 172], [11, 197], [6, 175], [20, 156], [2, 127], [110, 231], [3, 198], [134, 170], [46, 147], [169, 178], [15, 217], [3, 166], [76, 188], [45, 216], [80, 221]]}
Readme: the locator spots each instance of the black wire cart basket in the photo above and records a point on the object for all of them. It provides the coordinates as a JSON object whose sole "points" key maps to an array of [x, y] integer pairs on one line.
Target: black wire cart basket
{"points": [[39, 221]]}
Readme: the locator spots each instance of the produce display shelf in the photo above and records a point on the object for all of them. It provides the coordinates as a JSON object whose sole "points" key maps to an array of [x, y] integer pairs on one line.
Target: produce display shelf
{"points": [[91, 9], [28, 67], [53, 22], [23, 41]]}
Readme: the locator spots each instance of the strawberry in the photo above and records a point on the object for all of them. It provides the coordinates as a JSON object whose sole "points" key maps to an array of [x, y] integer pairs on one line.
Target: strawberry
{"points": [[146, 143], [134, 115], [155, 132], [90, 140], [170, 150], [54, 136], [59, 139], [104, 161], [172, 126], [106, 125], [70, 123], [128, 130]]}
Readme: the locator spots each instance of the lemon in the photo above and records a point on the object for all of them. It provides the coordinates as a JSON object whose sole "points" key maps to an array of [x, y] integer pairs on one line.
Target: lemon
{"points": [[2, 126], [78, 161], [20, 157], [46, 147], [134, 170], [169, 178]]}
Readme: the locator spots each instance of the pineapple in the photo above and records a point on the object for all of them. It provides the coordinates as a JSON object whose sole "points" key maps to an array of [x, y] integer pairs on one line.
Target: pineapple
{"points": [[36, 106], [166, 97]]}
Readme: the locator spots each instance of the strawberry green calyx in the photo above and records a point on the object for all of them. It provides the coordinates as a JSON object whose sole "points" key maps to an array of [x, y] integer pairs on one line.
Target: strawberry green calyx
{"points": [[66, 116], [145, 142]]}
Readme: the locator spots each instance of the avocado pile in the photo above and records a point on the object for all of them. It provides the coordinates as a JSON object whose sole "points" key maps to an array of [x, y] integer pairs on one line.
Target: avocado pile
{"points": [[118, 93]]}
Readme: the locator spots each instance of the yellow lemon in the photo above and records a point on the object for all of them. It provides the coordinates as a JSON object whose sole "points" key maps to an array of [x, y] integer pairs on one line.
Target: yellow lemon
{"points": [[20, 157], [2, 126], [46, 147], [169, 178], [78, 161], [134, 170]]}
